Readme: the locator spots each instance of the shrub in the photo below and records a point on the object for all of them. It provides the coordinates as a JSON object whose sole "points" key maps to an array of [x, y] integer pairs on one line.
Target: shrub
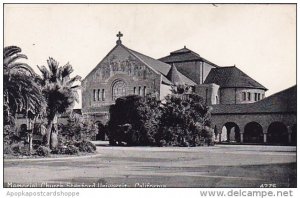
{"points": [[7, 149], [86, 146], [185, 121], [134, 120], [9, 134], [78, 128], [66, 150], [43, 151]]}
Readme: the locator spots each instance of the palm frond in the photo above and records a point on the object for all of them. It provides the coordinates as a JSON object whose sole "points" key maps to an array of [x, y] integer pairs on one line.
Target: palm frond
{"points": [[21, 68], [11, 50], [8, 60], [72, 80]]}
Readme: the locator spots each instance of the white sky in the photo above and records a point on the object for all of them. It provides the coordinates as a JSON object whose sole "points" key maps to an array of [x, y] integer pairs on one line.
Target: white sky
{"points": [[258, 39]]}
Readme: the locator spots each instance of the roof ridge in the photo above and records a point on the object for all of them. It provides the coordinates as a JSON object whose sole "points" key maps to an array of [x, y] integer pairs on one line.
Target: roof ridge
{"points": [[250, 77], [225, 67]]}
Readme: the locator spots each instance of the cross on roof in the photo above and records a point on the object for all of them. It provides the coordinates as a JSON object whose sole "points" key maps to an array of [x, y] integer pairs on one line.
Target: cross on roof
{"points": [[119, 35]]}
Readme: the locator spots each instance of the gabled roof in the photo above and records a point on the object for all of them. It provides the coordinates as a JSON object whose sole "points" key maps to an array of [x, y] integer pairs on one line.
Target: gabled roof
{"points": [[184, 55], [156, 65], [146, 60], [229, 77], [282, 102]]}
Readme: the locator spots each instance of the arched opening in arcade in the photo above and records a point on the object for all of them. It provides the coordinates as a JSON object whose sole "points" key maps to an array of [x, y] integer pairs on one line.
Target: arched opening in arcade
{"points": [[230, 132], [277, 133], [294, 135], [253, 133]]}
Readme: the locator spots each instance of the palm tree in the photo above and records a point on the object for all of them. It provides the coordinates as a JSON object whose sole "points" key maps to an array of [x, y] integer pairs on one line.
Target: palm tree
{"points": [[58, 90], [21, 92], [18, 78]]}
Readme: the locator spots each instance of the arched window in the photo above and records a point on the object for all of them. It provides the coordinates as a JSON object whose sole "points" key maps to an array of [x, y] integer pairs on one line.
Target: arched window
{"points": [[103, 95], [145, 91], [118, 89], [99, 95], [94, 94]]}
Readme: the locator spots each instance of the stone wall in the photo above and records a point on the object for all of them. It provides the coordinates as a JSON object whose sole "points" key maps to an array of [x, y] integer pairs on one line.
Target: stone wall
{"points": [[195, 70], [118, 65], [289, 120], [164, 91], [209, 92], [235, 95]]}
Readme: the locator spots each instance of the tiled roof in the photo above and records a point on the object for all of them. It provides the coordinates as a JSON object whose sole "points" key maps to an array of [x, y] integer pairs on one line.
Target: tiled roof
{"points": [[231, 77], [282, 102], [174, 76], [183, 55], [161, 67], [158, 66]]}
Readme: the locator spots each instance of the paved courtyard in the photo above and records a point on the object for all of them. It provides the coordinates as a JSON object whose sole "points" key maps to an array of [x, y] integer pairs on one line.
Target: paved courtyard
{"points": [[218, 166]]}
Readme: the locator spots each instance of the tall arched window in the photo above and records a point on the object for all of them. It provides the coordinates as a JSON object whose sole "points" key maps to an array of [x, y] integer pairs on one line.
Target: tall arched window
{"points": [[118, 89]]}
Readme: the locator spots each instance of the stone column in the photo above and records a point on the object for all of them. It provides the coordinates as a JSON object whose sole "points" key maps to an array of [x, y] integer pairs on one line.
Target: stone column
{"points": [[265, 137], [242, 137], [265, 132]]}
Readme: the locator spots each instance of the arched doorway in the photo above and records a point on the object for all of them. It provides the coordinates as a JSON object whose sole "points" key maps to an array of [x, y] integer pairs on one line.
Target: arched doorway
{"points": [[230, 132], [253, 133], [118, 89], [277, 133], [294, 135]]}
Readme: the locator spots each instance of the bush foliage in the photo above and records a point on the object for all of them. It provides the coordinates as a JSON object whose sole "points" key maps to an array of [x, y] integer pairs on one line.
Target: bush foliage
{"points": [[78, 128], [183, 120], [43, 151]]}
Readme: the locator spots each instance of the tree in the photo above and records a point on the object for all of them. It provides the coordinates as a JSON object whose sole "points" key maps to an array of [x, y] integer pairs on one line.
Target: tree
{"points": [[185, 120], [134, 120], [21, 92], [59, 91]]}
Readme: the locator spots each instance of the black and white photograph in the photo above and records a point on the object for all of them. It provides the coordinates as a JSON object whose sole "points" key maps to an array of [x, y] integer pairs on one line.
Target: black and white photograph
{"points": [[149, 96]]}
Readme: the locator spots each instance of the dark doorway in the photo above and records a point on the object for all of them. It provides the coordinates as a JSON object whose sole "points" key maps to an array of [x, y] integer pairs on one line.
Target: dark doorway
{"points": [[253, 133], [101, 131], [277, 133]]}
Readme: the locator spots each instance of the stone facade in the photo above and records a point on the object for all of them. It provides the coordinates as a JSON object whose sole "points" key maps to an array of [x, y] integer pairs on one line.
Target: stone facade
{"points": [[240, 95], [118, 74], [210, 93]]}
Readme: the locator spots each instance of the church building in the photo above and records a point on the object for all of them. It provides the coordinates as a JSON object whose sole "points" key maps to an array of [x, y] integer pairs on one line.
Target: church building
{"points": [[124, 71]]}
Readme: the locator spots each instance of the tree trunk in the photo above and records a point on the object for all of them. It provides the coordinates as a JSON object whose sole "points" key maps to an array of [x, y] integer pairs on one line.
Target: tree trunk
{"points": [[49, 130], [30, 134]]}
